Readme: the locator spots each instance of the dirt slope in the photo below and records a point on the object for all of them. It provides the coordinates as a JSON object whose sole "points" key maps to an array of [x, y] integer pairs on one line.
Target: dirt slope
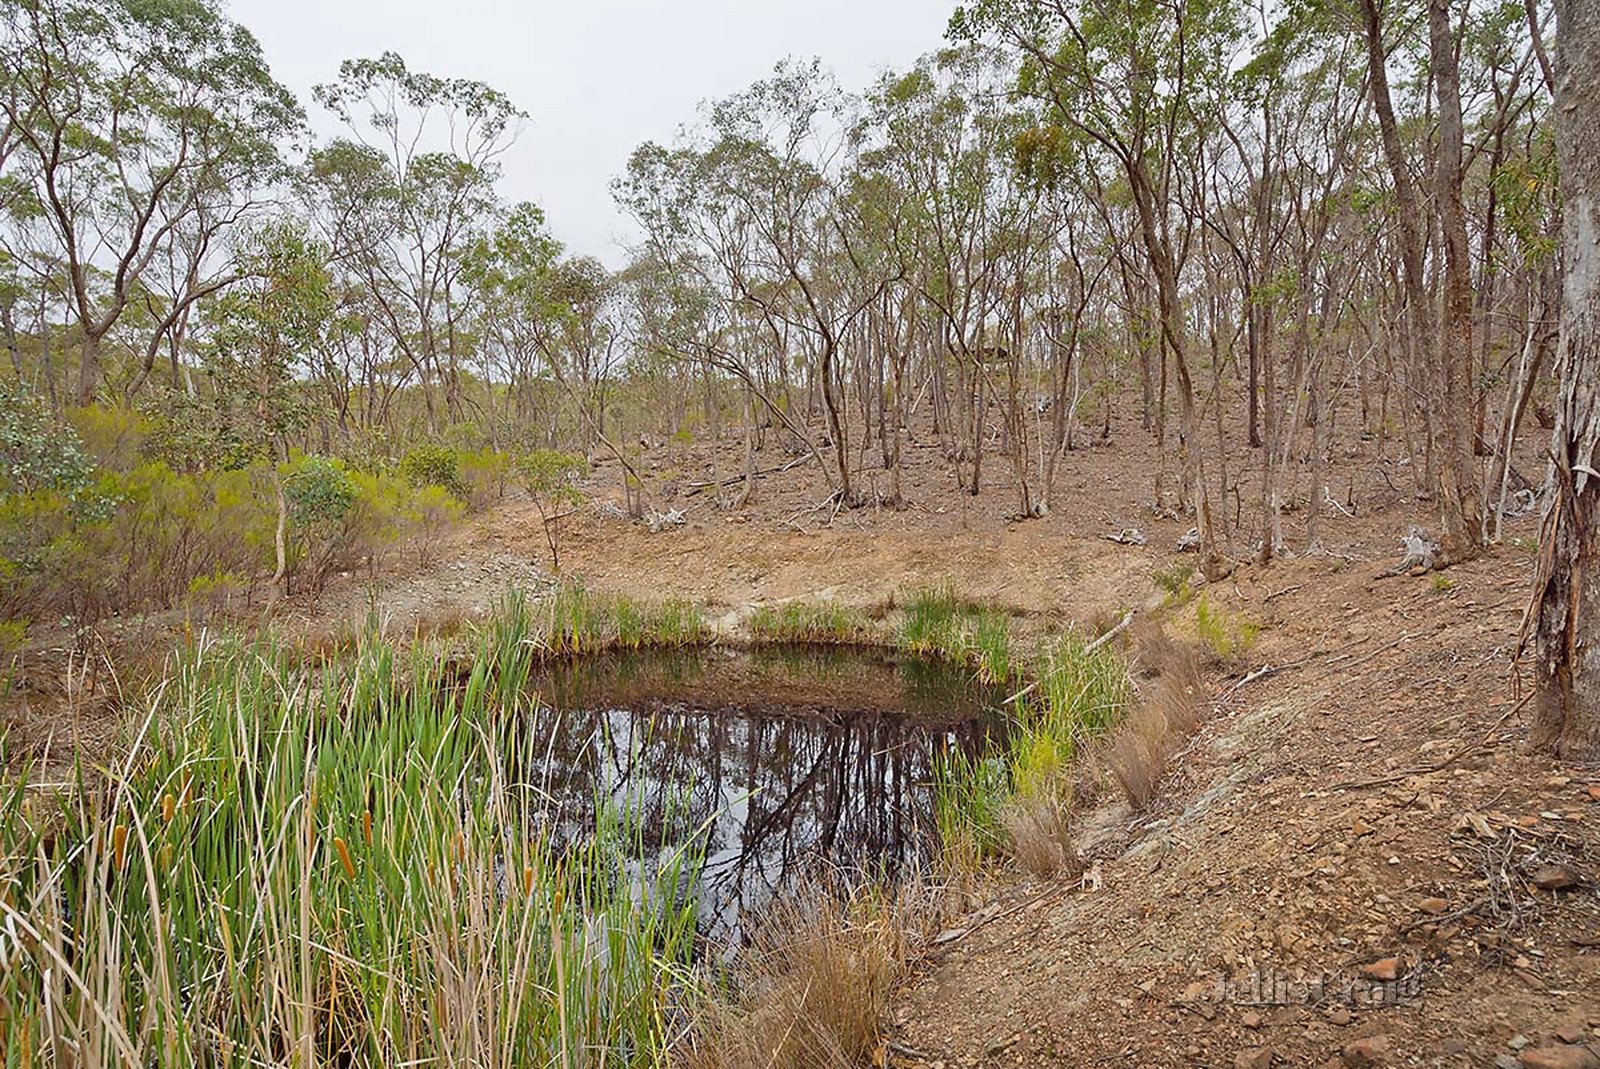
{"points": [[1298, 841]]}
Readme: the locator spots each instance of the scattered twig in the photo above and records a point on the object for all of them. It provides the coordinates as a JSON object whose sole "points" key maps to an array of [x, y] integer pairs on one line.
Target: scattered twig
{"points": [[695, 487]]}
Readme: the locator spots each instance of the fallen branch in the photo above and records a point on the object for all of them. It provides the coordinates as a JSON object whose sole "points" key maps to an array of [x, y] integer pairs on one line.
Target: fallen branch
{"points": [[1122, 625], [694, 488]]}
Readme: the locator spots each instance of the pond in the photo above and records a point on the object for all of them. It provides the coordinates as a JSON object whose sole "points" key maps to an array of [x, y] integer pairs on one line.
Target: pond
{"points": [[779, 763]]}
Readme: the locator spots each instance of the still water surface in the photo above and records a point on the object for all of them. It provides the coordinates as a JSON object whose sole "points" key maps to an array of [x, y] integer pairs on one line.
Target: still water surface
{"points": [[782, 763]]}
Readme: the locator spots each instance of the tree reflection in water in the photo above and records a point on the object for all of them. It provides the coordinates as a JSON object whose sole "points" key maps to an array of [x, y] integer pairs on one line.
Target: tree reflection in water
{"points": [[788, 761]]}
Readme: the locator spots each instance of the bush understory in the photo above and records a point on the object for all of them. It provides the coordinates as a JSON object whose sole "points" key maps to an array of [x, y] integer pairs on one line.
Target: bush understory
{"points": [[119, 512]]}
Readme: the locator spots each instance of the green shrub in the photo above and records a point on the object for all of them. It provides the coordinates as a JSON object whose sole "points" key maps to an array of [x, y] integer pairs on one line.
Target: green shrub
{"points": [[429, 515], [484, 472], [37, 452], [435, 465], [549, 476], [320, 493], [116, 437], [378, 518], [1175, 582], [1226, 635]]}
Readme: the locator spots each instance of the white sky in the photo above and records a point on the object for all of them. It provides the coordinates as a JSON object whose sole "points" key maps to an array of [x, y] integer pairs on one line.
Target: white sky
{"points": [[596, 78]]}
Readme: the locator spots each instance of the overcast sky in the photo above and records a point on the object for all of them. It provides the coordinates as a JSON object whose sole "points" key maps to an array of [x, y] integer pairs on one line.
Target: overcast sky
{"points": [[596, 77]]}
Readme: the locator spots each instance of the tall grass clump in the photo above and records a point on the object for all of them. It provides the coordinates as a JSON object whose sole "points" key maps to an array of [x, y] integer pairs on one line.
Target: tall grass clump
{"points": [[574, 620], [1170, 709], [810, 622], [812, 989], [1016, 799], [344, 865], [939, 623]]}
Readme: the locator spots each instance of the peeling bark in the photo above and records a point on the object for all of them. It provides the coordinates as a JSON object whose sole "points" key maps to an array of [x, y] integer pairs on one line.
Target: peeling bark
{"points": [[1565, 612]]}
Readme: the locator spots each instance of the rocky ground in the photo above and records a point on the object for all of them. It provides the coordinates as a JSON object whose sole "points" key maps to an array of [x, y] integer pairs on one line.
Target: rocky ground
{"points": [[1354, 864]]}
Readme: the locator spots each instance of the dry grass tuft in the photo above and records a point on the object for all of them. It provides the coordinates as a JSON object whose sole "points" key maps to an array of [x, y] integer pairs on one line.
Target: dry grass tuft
{"points": [[1171, 710], [812, 989], [1178, 692], [1041, 841], [1137, 754], [1153, 649]]}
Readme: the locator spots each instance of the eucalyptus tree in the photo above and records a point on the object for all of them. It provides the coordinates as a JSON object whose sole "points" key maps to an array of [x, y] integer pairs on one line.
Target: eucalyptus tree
{"points": [[508, 269], [404, 199], [1565, 612], [757, 202], [1122, 75], [134, 132], [935, 133], [261, 339]]}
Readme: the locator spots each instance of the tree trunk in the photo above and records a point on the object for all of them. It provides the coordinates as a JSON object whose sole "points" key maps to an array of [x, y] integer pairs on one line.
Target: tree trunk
{"points": [[88, 369], [1565, 612], [1459, 508]]}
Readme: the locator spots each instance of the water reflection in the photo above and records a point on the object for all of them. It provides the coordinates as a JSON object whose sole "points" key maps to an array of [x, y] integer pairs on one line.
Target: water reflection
{"points": [[784, 760]]}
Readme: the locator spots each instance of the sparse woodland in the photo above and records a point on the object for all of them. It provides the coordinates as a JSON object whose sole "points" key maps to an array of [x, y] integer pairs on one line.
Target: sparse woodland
{"points": [[1303, 255], [1245, 227]]}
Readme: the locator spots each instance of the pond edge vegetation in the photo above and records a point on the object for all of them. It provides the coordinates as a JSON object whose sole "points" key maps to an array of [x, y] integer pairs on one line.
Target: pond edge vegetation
{"points": [[333, 829]]}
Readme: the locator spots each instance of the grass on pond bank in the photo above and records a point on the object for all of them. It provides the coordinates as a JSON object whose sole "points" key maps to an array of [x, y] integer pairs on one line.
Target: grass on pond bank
{"points": [[300, 862], [299, 867]]}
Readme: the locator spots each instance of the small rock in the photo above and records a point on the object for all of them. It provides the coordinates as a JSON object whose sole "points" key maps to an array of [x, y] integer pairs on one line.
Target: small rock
{"points": [[1253, 1020], [1594, 794], [1555, 877], [1373, 1050], [1528, 978], [1517, 1042], [1384, 969], [1558, 1058], [1339, 1015], [1571, 1032], [1260, 1058], [1433, 906], [1506, 1061]]}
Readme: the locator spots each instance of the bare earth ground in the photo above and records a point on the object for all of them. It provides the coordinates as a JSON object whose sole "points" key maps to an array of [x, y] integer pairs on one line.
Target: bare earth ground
{"points": [[1367, 797]]}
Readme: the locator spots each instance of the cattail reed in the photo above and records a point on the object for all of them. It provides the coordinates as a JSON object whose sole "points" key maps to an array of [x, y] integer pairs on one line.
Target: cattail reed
{"points": [[344, 857]]}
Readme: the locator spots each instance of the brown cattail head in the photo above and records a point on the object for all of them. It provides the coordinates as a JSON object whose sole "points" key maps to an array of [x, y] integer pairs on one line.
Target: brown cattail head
{"points": [[119, 844], [344, 857]]}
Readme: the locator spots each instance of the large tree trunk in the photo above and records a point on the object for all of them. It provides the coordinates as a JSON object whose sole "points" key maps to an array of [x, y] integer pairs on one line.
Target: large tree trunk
{"points": [[1566, 603]]}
